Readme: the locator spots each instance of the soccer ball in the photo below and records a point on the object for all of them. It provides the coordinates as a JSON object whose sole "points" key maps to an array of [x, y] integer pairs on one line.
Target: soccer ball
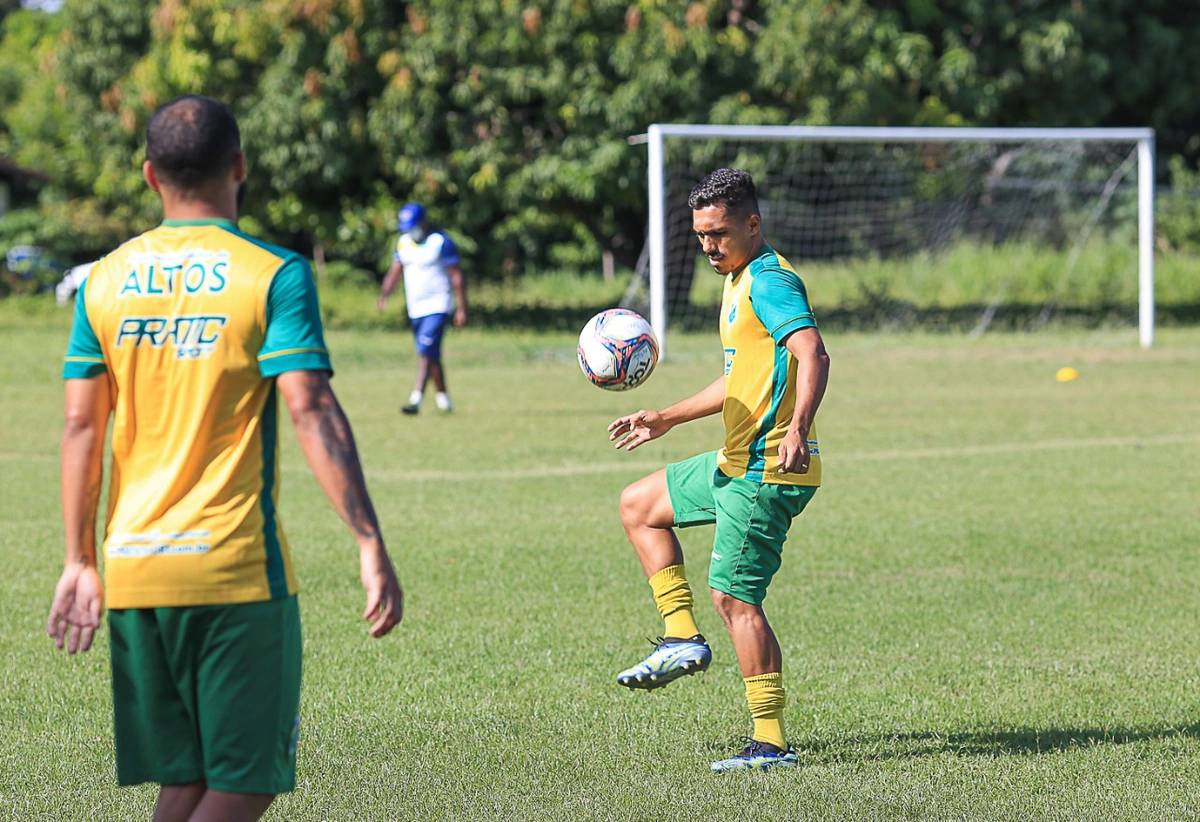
{"points": [[617, 349]]}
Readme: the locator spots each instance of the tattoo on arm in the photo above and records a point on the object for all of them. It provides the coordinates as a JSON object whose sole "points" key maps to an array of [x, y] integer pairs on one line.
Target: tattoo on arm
{"points": [[338, 440], [91, 506]]}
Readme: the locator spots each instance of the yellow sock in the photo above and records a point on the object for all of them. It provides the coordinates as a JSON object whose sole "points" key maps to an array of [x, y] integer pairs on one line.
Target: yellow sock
{"points": [[766, 698], [673, 597]]}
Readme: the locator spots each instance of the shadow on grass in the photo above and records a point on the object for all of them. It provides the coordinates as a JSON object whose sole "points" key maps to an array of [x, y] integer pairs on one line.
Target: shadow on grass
{"points": [[899, 315], [882, 314], [1017, 742], [541, 317], [514, 317]]}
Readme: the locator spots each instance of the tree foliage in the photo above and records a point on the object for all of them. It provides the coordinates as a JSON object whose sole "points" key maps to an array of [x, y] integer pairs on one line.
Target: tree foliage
{"points": [[509, 119]]}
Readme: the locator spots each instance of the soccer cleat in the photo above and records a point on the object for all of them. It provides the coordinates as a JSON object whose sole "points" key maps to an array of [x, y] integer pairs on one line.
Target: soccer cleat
{"points": [[757, 756], [671, 658], [443, 404], [409, 409]]}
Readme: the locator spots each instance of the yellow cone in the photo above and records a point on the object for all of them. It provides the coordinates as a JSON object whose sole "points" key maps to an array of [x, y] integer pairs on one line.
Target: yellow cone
{"points": [[1066, 374]]}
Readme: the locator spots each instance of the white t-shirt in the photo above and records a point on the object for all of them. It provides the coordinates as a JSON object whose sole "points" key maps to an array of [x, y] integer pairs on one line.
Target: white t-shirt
{"points": [[427, 286]]}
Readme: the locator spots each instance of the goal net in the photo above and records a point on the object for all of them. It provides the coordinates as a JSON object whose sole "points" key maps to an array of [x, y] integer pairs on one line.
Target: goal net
{"points": [[895, 227]]}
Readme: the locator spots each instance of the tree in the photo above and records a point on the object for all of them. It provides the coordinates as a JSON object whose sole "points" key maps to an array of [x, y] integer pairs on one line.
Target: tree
{"points": [[513, 118], [509, 119], [298, 76]]}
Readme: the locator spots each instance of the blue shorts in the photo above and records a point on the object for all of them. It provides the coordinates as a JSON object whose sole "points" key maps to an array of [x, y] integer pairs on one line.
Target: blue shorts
{"points": [[428, 331]]}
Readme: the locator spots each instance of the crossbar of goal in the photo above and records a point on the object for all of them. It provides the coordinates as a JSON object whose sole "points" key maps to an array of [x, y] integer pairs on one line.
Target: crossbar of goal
{"points": [[658, 132]]}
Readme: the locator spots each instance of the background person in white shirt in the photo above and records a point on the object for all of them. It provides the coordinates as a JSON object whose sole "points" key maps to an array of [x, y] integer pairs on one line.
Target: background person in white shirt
{"points": [[428, 260]]}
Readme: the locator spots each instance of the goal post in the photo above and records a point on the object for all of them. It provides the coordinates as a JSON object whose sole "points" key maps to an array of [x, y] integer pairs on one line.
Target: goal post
{"points": [[920, 186]]}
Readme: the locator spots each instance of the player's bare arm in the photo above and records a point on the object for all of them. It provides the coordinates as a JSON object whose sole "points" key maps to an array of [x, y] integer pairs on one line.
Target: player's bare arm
{"points": [[460, 293], [812, 375], [390, 281], [78, 597], [639, 428], [328, 444]]}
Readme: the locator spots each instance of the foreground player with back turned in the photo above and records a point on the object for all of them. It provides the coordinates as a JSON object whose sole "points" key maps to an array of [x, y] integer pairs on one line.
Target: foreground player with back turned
{"points": [[186, 336], [776, 370]]}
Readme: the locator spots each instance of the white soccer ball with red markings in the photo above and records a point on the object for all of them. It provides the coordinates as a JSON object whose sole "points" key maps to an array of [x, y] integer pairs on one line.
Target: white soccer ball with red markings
{"points": [[617, 349]]}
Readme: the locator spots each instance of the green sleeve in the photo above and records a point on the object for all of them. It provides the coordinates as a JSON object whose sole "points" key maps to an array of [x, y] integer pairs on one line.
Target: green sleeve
{"points": [[294, 340], [84, 356], [781, 303]]}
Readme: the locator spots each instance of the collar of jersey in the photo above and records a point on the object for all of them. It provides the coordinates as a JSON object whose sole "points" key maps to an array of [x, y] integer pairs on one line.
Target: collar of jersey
{"points": [[766, 249], [221, 221]]}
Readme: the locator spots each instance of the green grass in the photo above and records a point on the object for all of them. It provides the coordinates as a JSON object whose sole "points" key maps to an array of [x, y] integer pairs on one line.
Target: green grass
{"points": [[989, 612], [1099, 279], [1030, 287], [556, 301]]}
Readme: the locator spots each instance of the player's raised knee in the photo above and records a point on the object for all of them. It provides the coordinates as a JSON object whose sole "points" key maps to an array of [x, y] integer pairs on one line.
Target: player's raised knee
{"points": [[633, 505]]}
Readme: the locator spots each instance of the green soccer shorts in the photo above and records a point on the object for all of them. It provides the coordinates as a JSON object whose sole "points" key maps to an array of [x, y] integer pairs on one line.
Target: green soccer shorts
{"points": [[752, 522], [208, 694]]}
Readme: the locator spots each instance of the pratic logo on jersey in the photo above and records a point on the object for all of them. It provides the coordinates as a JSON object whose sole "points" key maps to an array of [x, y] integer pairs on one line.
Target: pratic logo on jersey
{"points": [[193, 336], [732, 314], [154, 275], [730, 353]]}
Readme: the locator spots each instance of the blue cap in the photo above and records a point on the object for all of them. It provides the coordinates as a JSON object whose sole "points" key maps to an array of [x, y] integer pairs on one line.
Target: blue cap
{"points": [[411, 216]]}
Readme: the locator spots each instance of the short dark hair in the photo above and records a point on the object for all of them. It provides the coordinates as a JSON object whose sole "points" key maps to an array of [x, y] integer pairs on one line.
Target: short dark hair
{"points": [[730, 187], [192, 140]]}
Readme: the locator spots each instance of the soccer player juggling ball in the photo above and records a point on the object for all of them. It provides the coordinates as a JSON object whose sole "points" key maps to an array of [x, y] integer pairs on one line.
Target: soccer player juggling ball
{"points": [[776, 370], [186, 336]]}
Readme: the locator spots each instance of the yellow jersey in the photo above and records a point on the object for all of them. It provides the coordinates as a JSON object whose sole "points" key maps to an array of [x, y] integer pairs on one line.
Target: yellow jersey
{"points": [[762, 304], [191, 322]]}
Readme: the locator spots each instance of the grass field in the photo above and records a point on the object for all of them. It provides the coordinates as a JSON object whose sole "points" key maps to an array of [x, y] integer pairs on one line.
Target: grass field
{"points": [[1022, 286], [988, 613]]}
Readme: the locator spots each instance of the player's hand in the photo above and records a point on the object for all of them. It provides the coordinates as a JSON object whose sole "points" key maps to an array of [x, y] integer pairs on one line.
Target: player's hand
{"points": [[793, 454], [381, 303], [636, 429], [460, 318], [385, 598], [75, 611]]}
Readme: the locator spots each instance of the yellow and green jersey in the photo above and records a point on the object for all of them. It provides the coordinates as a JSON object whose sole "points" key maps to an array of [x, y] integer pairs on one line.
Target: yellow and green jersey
{"points": [[191, 322], [763, 303]]}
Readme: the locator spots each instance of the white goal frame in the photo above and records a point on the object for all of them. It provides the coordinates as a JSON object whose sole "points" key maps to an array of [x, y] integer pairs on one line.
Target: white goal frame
{"points": [[657, 133]]}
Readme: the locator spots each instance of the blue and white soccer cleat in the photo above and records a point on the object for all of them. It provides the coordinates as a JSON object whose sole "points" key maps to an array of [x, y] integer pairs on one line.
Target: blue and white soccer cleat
{"points": [[757, 756], [671, 658]]}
